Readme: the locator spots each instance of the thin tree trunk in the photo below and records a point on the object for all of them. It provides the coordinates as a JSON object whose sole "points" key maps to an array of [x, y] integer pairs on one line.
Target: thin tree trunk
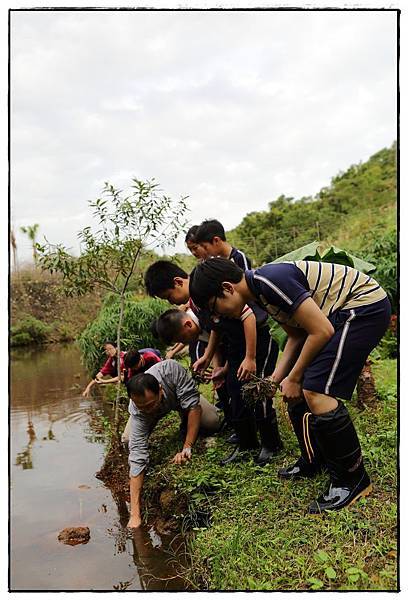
{"points": [[119, 330], [122, 304], [14, 247], [35, 257]]}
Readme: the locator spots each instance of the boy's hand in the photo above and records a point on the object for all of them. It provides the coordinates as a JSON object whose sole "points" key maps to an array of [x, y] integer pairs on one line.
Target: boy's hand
{"points": [[182, 457], [169, 354], [201, 364], [291, 389], [246, 369], [218, 377]]}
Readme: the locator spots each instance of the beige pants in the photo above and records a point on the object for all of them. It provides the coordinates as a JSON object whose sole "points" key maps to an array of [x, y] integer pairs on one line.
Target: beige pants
{"points": [[210, 420]]}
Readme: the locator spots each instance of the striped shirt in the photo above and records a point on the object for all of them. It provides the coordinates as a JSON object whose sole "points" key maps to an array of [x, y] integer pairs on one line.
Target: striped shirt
{"points": [[282, 287], [240, 259]]}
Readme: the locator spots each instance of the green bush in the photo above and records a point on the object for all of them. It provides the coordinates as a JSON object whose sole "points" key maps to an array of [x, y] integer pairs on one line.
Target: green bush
{"points": [[29, 330], [387, 348], [64, 332], [382, 251], [139, 313]]}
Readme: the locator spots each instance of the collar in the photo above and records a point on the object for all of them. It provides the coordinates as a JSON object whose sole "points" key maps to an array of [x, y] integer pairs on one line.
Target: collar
{"points": [[193, 317]]}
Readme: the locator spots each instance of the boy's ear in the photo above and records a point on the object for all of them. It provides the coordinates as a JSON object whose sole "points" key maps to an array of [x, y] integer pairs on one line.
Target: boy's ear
{"points": [[227, 287], [178, 281]]}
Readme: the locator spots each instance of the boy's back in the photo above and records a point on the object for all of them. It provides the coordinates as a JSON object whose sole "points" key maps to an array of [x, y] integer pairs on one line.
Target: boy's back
{"points": [[240, 259]]}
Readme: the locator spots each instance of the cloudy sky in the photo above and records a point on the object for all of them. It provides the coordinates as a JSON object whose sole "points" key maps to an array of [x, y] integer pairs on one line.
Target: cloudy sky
{"points": [[230, 108]]}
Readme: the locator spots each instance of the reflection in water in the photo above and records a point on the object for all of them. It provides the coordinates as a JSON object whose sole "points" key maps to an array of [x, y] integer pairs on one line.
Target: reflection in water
{"points": [[24, 458], [53, 486]]}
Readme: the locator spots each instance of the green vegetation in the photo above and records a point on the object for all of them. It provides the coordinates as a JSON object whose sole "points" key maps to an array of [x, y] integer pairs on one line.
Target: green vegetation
{"points": [[29, 330], [383, 252], [251, 529], [40, 313], [356, 212], [137, 318]]}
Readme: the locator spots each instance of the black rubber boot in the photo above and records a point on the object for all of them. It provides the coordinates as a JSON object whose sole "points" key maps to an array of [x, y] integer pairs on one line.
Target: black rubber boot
{"points": [[246, 432], [270, 438], [309, 463], [233, 439], [339, 444]]}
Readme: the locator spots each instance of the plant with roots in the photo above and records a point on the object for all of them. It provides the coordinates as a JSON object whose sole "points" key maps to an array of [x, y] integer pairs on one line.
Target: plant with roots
{"points": [[129, 223]]}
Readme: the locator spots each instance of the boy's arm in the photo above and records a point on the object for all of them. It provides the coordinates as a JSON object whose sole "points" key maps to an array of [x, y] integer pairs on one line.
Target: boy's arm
{"points": [[105, 381], [175, 350], [140, 429], [203, 363], [193, 426], [319, 330], [248, 365], [88, 388], [136, 484], [293, 346]]}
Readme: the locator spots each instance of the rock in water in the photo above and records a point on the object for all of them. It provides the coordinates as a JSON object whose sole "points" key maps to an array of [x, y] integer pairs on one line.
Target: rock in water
{"points": [[74, 535]]}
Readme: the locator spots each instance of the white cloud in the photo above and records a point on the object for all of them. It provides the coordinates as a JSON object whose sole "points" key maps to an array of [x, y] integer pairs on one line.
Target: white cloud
{"points": [[230, 108]]}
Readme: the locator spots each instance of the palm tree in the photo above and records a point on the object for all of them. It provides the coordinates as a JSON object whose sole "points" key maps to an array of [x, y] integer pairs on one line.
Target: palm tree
{"points": [[31, 231], [13, 243]]}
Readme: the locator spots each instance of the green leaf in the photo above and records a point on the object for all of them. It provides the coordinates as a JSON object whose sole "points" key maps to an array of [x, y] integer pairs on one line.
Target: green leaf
{"points": [[316, 584], [322, 555], [330, 573], [308, 252], [342, 257], [352, 570]]}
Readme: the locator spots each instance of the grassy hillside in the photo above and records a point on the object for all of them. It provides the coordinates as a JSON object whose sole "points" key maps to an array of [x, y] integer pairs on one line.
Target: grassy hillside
{"points": [[41, 313], [357, 200]]}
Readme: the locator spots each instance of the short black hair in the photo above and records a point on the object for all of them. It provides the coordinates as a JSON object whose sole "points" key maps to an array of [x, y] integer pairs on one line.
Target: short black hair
{"points": [[105, 343], [153, 329], [208, 230], [159, 277], [191, 234], [207, 278], [169, 324], [132, 358], [138, 384]]}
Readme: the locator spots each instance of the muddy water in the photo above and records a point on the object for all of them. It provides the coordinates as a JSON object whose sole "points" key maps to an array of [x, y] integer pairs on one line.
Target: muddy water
{"points": [[54, 457]]}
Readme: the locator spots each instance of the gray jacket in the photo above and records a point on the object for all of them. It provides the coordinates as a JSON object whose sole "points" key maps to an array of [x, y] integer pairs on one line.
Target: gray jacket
{"points": [[180, 393]]}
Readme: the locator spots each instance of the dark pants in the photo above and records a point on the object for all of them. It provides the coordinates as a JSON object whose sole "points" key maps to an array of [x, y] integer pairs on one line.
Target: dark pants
{"points": [[196, 351]]}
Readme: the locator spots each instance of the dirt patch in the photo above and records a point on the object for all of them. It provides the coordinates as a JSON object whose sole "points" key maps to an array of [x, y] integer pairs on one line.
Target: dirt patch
{"points": [[366, 390], [115, 471]]}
